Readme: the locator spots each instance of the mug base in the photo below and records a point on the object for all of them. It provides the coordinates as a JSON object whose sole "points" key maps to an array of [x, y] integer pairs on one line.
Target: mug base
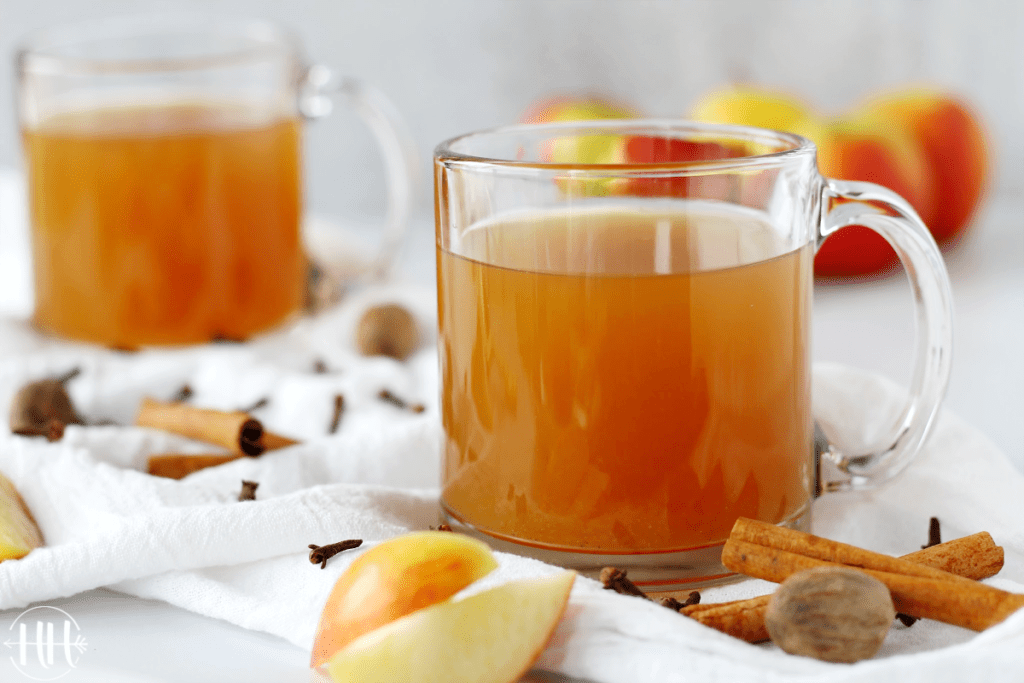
{"points": [[689, 569]]}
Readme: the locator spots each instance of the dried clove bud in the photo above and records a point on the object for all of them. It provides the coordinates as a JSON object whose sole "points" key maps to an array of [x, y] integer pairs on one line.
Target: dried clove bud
{"points": [[388, 397], [614, 579], [44, 408], [339, 409], [934, 538], [255, 405], [387, 330], [248, 490], [319, 554], [835, 614], [675, 605], [934, 533], [183, 394]]}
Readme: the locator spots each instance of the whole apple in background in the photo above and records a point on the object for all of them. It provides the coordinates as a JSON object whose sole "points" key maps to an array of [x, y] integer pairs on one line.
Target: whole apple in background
{"points": [[953, 141], [924, 145], [585, 149], [490, 637], [581, 108], [396, 578], [749, 106], [870, 149]]}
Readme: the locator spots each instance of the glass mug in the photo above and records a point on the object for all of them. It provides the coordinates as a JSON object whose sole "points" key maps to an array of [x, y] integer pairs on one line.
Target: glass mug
{"points": [[164, 167], [624, 345]]}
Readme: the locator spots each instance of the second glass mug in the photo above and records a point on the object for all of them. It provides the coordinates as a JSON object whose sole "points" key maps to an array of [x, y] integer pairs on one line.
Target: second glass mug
{"points": [[624, 346], [164, 165]]}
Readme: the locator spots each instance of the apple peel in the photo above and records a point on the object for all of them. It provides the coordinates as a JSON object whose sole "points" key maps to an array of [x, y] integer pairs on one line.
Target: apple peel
{"points": [[394, 579], [491, 637]]}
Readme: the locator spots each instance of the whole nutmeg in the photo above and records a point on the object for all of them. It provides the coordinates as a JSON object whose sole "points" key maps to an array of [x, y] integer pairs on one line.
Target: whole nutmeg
{"points": [[387, 330], [835, 614]]}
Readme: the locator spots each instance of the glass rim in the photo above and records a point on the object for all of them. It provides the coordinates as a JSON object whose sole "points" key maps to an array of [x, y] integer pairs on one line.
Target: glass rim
{"points": [[791, 146], [40, 51]]}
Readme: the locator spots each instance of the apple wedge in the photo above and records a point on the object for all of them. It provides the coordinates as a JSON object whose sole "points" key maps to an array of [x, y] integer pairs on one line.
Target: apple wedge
{"points": [[18, 531], [491, 637], [395, 578]]}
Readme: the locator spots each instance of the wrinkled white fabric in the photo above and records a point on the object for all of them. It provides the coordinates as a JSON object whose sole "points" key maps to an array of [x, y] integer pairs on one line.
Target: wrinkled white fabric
{"points": [[190, 542]]}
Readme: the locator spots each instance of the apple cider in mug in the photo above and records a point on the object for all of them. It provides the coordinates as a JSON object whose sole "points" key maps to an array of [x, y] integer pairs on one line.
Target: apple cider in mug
{"points": [[643, 382], [167, 223]]}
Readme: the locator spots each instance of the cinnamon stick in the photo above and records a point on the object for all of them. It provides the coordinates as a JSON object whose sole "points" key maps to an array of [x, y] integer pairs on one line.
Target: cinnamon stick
{"points": [[234, 430], [180, 465], [917, 590], [272, 441], [973, 557]]}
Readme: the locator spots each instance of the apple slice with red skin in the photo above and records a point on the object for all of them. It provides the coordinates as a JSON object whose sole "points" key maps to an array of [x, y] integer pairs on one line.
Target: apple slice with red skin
{"points": [[394, 579], [490, 637]]}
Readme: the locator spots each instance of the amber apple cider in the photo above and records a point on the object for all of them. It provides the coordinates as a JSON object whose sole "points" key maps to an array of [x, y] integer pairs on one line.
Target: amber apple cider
{"points": [[165, 224], [624, 380]]}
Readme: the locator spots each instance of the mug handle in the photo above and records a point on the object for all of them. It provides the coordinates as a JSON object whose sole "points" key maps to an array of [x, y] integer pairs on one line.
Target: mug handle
{"points": [[892, 217], [398, 150]]}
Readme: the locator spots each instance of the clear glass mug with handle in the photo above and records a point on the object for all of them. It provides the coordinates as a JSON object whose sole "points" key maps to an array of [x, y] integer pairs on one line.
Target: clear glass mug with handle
{"points": [[164, 165], [624, 341]]}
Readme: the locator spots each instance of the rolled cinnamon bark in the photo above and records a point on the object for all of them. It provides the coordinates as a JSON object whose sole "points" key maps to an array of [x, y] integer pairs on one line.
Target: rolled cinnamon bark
{"points": [[180, 465], [233, 430], [272, 442], [973, 557], [916, 590]]}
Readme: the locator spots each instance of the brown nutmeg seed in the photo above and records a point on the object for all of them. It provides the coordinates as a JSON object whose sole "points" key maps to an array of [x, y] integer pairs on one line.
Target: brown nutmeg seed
{"points": [[387, 330], [835, 614]]}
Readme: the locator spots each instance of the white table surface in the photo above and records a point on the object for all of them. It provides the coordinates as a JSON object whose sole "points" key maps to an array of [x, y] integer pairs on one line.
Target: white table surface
{"points": [[867, 325]]}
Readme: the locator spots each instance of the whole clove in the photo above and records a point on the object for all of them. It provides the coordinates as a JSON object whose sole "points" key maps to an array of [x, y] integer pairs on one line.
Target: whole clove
{"points": [[256, 405], [614, 579], [44, 408], [934, 538], [183, 394], [248, 491], [388, 397], [675, 605], [319, 554], [339, 409], [934, 533]]}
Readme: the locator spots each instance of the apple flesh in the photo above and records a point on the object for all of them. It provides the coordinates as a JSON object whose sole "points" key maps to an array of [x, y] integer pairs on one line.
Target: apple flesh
{"points": [[394, 579], [19, 534], [490, 637]]}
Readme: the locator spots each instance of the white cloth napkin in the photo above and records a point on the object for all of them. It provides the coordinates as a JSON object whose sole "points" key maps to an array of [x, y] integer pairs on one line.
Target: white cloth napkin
{"points": [[190, 543]]}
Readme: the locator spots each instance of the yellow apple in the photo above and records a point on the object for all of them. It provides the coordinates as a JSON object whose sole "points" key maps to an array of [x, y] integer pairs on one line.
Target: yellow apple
{"points": [[395, 578], [749, 106], [491, 637], [19, 534], [585, 108], [582, 149]]}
